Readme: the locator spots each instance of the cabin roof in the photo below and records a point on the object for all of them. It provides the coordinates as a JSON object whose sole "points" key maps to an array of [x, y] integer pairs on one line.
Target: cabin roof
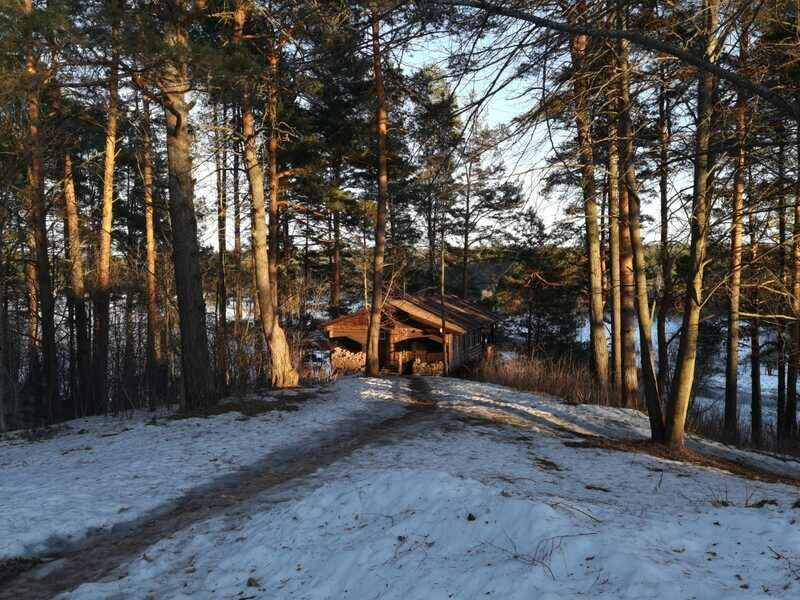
{"points": [[460, 315]]}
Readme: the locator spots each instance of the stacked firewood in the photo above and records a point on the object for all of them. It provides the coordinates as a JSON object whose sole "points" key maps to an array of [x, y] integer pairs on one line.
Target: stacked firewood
{"points": [[424, 368], [343, 361]]}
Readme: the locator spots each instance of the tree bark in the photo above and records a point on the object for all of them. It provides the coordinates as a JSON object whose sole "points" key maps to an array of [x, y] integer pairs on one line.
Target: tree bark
{"points": [[373, 333], [614, 255], [221, 159], [465, 247], [631, 189], [578, 45], [755, 341], [794, 356], [156, 369], [198, 380], [283, 373], [102, 294], [731, 422], [42, 297], [687, 349], [630, 379], [76, 292], [664, 253], [782, 268]]}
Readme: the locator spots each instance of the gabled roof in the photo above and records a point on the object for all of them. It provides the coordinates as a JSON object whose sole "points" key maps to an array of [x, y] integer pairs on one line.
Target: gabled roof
{"points": [[460, 315]]}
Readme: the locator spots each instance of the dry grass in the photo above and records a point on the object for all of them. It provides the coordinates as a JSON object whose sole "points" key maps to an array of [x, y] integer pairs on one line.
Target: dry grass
{"points": [[563, 378]]}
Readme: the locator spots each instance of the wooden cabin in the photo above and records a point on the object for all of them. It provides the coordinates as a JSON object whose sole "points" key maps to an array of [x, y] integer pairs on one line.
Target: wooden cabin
{"points": [[411, 333]]}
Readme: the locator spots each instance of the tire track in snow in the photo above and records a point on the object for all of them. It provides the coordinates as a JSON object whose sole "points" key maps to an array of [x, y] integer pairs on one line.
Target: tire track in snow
{"points": [[99, 555]]}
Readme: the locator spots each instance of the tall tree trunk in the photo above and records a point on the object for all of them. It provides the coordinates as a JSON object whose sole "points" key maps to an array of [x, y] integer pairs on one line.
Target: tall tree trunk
{"points": [[755, 338], [3, 348], [614, 248], [794, 355], [336, 263], [652, 399], [336, 249], [76, 291], [445, 349], [102, 295], [198, 380], [465, 247], [237, 248], [781, 339], [687, 349], [735, 266], [630, 379], [664, 254], [156, 369], [35, 202], [283, 373], [221, 159], [578, 47], [373, 333]]}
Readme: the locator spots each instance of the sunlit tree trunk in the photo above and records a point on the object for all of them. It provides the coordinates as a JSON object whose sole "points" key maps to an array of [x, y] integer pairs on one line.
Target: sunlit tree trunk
{"points": [[103, 292], [755, 338], [631, 188], [794, 355], [614, 249], [265, 268], [76, 290], [221, 159], [373, 333], [664, 254], [731, 423], [630, 379], [681, 390], [42, 298], [578, 47], [156, 368]]}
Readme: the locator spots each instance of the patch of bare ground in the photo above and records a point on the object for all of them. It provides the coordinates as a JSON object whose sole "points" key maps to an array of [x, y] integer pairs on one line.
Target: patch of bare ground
{"points": [[686, 456], [254, 405]]}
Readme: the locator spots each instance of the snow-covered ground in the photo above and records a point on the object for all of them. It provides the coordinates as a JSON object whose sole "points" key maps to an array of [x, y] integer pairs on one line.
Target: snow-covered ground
{"points": [[102, 471], [490, 495]]}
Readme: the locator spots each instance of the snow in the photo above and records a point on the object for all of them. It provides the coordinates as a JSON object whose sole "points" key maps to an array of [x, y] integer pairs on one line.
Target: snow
{"points": [[490, 495], [104, 471]]}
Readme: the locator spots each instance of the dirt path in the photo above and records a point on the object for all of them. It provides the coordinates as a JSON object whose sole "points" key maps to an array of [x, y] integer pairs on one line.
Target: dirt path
{"points": [[97, 556]]}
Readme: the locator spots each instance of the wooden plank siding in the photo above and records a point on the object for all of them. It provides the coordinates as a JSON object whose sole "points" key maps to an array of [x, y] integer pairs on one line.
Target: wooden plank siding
{"points": [[411, 329]]}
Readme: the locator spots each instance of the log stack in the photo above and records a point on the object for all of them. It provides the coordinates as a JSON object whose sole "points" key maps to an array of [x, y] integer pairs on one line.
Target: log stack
{"points": [[344, 362], [425, 368]]}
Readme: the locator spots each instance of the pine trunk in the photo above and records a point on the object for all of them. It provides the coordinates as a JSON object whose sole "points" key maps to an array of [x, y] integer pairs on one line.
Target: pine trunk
{"points": [[198, 380], [102, 294], [156, 369], [578, 45], [755, 343], [664, 254], [76, 292], [373, 333], [687, 350], [631, 189], [731, 424]]}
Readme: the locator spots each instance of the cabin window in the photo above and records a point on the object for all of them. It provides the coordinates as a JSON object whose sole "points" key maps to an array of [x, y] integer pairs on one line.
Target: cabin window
{"points": [[382, 335]]}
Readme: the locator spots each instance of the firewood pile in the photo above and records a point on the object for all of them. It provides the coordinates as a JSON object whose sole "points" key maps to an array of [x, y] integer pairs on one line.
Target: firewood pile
{"points": [[424, 368], [344, 362]]}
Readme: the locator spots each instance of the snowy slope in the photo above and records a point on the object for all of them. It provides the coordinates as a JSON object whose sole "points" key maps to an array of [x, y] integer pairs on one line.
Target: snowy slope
{"points": [[470, 509], [104, 471]]}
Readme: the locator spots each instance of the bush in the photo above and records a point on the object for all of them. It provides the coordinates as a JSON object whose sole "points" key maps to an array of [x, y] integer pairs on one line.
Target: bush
{"points": [[563, 378]]}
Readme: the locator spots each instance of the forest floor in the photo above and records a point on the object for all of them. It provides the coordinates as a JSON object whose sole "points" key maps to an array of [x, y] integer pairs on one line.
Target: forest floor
{"points": [[392, 488]]}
